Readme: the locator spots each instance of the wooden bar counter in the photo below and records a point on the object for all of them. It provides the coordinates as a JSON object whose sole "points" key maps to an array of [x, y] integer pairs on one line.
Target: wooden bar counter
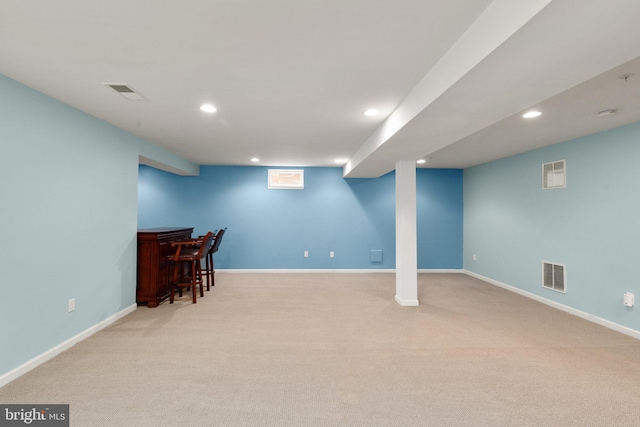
{"points": [[154, 245]]}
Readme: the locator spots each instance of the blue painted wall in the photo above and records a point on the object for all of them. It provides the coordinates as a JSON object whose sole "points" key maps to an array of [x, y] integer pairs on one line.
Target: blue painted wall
{"points": [[270, 229], [440, 218], [592, 225], [68, 221]]}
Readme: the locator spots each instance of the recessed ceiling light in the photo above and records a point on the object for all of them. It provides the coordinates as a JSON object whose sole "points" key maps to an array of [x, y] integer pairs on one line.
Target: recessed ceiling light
{"points": [[371, 112], [531, 114], [255, 159], [421, 161], [208, 108]]}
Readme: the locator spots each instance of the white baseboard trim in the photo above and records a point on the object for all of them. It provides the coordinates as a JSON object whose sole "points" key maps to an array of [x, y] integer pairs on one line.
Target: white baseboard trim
{"points": [[305, 271], [590, 317], [440, 270], [407, 303], [50, 354], [337, 270]]}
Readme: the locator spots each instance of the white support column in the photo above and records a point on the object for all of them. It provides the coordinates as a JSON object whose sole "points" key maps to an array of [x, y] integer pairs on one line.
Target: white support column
{"points": [[406, 234]]}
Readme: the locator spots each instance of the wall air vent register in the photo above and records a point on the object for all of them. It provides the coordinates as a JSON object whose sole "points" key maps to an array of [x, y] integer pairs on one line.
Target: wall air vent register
{"points": [[554, 276], [554, 174]]}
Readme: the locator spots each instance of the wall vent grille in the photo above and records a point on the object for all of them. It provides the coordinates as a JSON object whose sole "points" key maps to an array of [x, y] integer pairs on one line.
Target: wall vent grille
{"points": [[554, 174], [554, 276]]}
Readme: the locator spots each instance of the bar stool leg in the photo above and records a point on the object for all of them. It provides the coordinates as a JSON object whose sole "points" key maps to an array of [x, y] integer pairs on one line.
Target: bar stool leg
{"points": [[194, 280], [208, 272], [176, 267], [200, 278]]}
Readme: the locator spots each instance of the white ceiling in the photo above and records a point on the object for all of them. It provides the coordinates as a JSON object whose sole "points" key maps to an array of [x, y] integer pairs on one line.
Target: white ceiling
{"points": [[291, 78]]}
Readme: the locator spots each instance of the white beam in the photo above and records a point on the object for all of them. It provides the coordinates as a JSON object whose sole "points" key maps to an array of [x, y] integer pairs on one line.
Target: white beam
{"points": [[494, 26]]}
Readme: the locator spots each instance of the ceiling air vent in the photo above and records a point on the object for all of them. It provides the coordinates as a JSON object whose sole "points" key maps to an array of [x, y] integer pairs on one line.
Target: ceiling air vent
{"points": [[126, 91]]}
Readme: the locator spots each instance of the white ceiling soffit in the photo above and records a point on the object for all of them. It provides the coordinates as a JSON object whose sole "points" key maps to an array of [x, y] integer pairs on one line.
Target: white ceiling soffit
{"points": [[561, 46], [567, 116]]}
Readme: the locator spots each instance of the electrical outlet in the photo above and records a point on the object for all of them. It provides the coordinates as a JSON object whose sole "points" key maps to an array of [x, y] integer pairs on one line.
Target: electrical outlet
{"points": [[72, 304], [331, 254], [306, 254]]}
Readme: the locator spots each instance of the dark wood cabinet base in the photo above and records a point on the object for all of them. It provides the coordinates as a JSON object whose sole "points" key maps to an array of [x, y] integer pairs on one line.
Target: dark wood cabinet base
{"points": [[154, 269]]}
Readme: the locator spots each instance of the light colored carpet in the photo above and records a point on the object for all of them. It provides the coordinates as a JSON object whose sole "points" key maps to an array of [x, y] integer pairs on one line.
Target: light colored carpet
{"points": [[336, 350]]}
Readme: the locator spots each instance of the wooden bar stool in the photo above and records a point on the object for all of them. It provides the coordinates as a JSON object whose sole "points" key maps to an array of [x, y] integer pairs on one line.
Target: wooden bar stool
{"points": [[209, 269], [187, 269]]}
